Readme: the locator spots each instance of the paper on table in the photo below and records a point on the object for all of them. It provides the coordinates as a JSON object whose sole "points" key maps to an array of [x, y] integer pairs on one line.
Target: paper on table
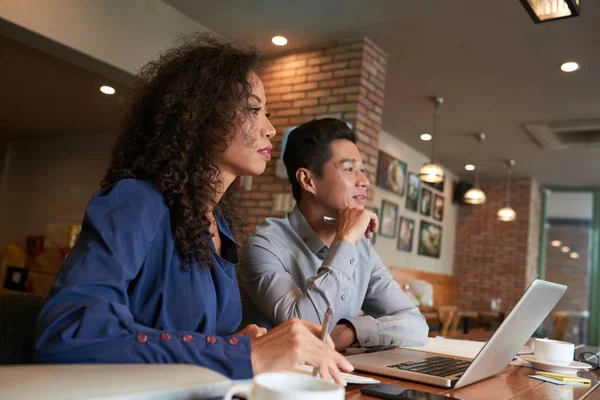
{"points": [[556, 381], [349, 378], [451, 347]]}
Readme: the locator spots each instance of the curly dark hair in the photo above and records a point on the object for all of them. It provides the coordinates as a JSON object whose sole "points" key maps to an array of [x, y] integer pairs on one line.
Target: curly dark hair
{"points": [[181, 114]]}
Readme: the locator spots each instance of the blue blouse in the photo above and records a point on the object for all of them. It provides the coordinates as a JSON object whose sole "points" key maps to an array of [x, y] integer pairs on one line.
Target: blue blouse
{"points": [[122, 297]]}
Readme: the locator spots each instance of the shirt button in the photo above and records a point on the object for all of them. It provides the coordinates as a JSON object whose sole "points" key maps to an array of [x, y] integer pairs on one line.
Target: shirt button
{"points": [[187, 338], [352, 261], [343, 297], [211, 340], [233, 341], [165, 336], [141, 338], [367, 340]]}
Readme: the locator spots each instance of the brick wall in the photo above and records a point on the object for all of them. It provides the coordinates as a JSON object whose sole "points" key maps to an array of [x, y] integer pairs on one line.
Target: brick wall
{"points": [[493, 258], [345, 80]]}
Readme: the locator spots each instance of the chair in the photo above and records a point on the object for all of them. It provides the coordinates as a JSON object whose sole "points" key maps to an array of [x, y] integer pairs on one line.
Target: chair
{"points": [[447, 316], [560, 319], [18, 313]]}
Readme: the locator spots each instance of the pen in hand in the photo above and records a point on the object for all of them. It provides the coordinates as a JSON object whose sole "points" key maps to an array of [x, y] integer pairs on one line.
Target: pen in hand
{"points": [[324, 333]]}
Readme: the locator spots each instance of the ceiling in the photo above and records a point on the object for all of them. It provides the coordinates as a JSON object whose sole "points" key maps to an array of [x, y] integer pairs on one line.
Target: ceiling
{"points": [[46, 96], [495, 68]]}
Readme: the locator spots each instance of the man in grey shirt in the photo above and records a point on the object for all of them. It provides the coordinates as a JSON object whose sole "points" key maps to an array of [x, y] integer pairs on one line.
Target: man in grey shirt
{"points": [[295, 267]]}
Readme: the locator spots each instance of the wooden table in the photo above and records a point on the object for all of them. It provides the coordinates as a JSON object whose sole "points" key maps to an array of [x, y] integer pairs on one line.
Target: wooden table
{"points": [[513, 383]]}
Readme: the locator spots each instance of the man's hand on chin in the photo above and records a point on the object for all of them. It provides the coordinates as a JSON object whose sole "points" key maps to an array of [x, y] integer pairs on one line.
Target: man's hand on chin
{"points": [[343, 336]]}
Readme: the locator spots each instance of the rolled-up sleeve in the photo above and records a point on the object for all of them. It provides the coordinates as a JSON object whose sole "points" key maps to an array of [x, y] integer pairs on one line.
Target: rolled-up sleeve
{"points": [[87, 317], [272, 288], [391, 318]]}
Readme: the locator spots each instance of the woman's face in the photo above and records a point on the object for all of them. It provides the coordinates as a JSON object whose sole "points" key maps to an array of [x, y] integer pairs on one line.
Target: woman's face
{"points": [[250, 149]]}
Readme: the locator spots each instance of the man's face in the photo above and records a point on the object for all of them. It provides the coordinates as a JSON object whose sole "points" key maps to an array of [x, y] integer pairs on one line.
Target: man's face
{"points": [[343, 182]]}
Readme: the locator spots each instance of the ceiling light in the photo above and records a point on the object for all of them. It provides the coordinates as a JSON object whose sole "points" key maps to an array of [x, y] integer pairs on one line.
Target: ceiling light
{"points": [[431, 172], [565, 249], [555, 243], [470, 167], [569, 66], [574, 255], [551, 10], [426, 137], [107, 89], [475, 195], [506, 213], [279, 41]]}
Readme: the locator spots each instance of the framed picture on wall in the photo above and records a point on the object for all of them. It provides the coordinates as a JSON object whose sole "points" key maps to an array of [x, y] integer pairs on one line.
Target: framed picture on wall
{"points": [[437, 186], [412, 192], [425, 203], [376, 211], [405, 234], [389, 216], [430, 239], [438, 207], [391, 173]]}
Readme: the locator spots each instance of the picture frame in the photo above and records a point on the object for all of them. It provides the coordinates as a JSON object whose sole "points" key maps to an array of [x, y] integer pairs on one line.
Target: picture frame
{"points": [[406, 231], [425, 201], [438, 207], [437, 186], [413, 189], [389, 218], [430, 239], [375, 210], [391, 173]]}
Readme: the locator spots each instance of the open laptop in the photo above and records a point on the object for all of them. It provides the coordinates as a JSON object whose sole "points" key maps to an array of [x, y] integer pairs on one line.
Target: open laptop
{"points": [[447, 371]]}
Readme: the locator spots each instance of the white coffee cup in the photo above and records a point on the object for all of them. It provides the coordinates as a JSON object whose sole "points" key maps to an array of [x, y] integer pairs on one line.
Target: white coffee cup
{"points": [[553, 351], [287, 386]]}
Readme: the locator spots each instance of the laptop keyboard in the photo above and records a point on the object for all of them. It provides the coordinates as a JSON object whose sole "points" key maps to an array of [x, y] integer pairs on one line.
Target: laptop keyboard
{"points": [[437, 366]]}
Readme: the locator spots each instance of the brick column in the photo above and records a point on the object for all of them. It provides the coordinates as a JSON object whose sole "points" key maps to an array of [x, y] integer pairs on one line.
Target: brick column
{"points": [[493, 258], [345, 80]]}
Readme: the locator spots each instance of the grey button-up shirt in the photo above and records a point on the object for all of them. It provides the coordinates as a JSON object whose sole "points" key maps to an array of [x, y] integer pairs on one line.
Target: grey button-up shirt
{"points": [[286, 271]]}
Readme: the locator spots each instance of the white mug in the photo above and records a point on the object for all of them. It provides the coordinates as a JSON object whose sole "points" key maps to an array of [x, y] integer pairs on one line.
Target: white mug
{"points": [[287, 386], [553, 350]]}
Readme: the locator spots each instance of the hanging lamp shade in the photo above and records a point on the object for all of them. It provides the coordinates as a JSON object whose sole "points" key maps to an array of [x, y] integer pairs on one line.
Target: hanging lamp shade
{"points": [[474, 196], [506, 213], [431, 172]]}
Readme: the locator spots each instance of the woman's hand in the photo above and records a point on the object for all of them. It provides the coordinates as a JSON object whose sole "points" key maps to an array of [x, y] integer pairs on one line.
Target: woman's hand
{"points": [[252, 331], [297, 342]]}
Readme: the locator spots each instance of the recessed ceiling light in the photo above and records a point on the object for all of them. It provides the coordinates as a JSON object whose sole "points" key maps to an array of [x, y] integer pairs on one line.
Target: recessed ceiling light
{"points": [[574, 255], [555, 243], [107, 89], [569, 66], [565, 249], [470, 167], [279, 41], [426, 137]]}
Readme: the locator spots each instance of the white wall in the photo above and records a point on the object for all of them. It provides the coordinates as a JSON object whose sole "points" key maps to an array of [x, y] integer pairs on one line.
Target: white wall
{"points": [[386, 247], [49, 181]]}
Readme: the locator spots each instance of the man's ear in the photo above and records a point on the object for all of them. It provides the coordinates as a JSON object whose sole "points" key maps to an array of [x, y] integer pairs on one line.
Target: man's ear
{"points": [[306, 180]]}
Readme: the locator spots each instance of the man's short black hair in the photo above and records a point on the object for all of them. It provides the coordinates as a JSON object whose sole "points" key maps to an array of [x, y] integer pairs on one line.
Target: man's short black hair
{"points": [[308, 146]]}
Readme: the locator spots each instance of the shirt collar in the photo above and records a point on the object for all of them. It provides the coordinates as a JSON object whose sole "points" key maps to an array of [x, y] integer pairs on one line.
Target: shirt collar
{"points": [[222, 224], [306, 233]]}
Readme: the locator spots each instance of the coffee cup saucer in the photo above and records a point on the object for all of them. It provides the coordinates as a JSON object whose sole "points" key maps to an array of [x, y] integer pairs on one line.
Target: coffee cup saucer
{"points": [[561, 367]]}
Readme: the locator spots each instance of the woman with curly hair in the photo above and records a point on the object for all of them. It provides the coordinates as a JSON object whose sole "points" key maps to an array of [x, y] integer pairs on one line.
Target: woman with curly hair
{"points": [[151, 278]]}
